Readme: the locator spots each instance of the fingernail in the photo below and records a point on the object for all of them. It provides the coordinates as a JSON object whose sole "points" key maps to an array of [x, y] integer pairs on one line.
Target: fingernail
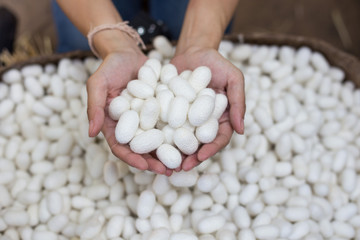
{"points": [[91, 127], [242, 126]]}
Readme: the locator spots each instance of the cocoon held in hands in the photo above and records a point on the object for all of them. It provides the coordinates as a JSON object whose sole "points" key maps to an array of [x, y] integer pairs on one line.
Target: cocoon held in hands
{"points": [[161, 100]]}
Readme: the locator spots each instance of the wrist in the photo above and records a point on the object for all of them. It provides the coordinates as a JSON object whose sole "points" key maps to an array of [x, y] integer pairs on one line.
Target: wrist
{"points": [[195, 42], [113, 40]]}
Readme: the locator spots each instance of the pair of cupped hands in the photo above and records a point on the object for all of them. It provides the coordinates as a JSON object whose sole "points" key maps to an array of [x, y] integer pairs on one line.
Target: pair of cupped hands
{"points": [[121, 66]]}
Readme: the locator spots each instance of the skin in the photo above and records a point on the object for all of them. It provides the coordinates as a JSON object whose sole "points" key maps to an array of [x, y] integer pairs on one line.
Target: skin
{"points": [[203, 28]]}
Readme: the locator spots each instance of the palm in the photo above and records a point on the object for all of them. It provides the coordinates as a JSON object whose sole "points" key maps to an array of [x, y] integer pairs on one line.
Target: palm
{"points": [[108, 82], [226, 78]]}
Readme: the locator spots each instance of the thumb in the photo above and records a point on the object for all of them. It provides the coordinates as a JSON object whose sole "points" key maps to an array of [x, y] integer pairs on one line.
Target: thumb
{"points": [[97, 92], [236, 96]]}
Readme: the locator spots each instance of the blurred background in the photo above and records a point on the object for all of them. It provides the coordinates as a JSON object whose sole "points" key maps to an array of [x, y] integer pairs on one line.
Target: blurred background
{"points": [[334, 21]]}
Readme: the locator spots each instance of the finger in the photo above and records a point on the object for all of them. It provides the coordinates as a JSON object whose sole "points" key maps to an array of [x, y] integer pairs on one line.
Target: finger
{"points": [[168, 172], [131, 158], [222, 139], [123, 151], [236, 97], [190, 162], [155, 165], [97, 93]]}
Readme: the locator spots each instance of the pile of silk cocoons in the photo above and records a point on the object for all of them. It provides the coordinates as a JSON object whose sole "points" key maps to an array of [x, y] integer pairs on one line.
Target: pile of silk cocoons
{"points": [[294, 174], [167, 112]]}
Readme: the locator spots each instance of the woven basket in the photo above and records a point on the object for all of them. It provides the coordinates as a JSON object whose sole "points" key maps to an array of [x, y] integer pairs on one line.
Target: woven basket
{"points": [[348, 63]]}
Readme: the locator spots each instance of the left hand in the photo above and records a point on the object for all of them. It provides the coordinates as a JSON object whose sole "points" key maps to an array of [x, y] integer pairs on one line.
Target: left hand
{"points": [[227, 79]]}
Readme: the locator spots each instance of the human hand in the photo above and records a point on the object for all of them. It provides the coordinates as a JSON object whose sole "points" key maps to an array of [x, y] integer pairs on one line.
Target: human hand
{"points": [[117, 69], [226, 78]]}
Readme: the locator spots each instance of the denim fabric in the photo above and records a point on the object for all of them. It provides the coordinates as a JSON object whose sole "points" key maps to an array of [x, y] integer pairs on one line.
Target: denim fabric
{"points": [[171, 12], [70, 39]]}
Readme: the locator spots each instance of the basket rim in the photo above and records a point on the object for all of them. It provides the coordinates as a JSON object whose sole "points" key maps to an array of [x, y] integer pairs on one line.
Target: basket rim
{"points": [[336, 57]]}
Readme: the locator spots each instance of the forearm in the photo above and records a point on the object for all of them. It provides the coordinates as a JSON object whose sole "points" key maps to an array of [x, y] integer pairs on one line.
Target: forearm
{"points": [[205, 23], [87, 14]]}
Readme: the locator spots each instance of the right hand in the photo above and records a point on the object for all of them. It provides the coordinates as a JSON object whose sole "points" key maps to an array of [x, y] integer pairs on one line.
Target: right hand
{"points": [[113, 75]]}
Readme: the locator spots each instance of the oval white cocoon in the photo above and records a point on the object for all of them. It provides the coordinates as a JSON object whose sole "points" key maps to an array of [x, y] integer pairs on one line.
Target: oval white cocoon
{"points": [[207, 132], [164, 98], [168, 71], [126, 127], [148, 75], [155, 65], [221, 103], [185, 141], [140, 89], [149, 113], [169, 156], [178, 111], [181, 87], [147, 141], [117, 107], [200, 78], [201, 110]]}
